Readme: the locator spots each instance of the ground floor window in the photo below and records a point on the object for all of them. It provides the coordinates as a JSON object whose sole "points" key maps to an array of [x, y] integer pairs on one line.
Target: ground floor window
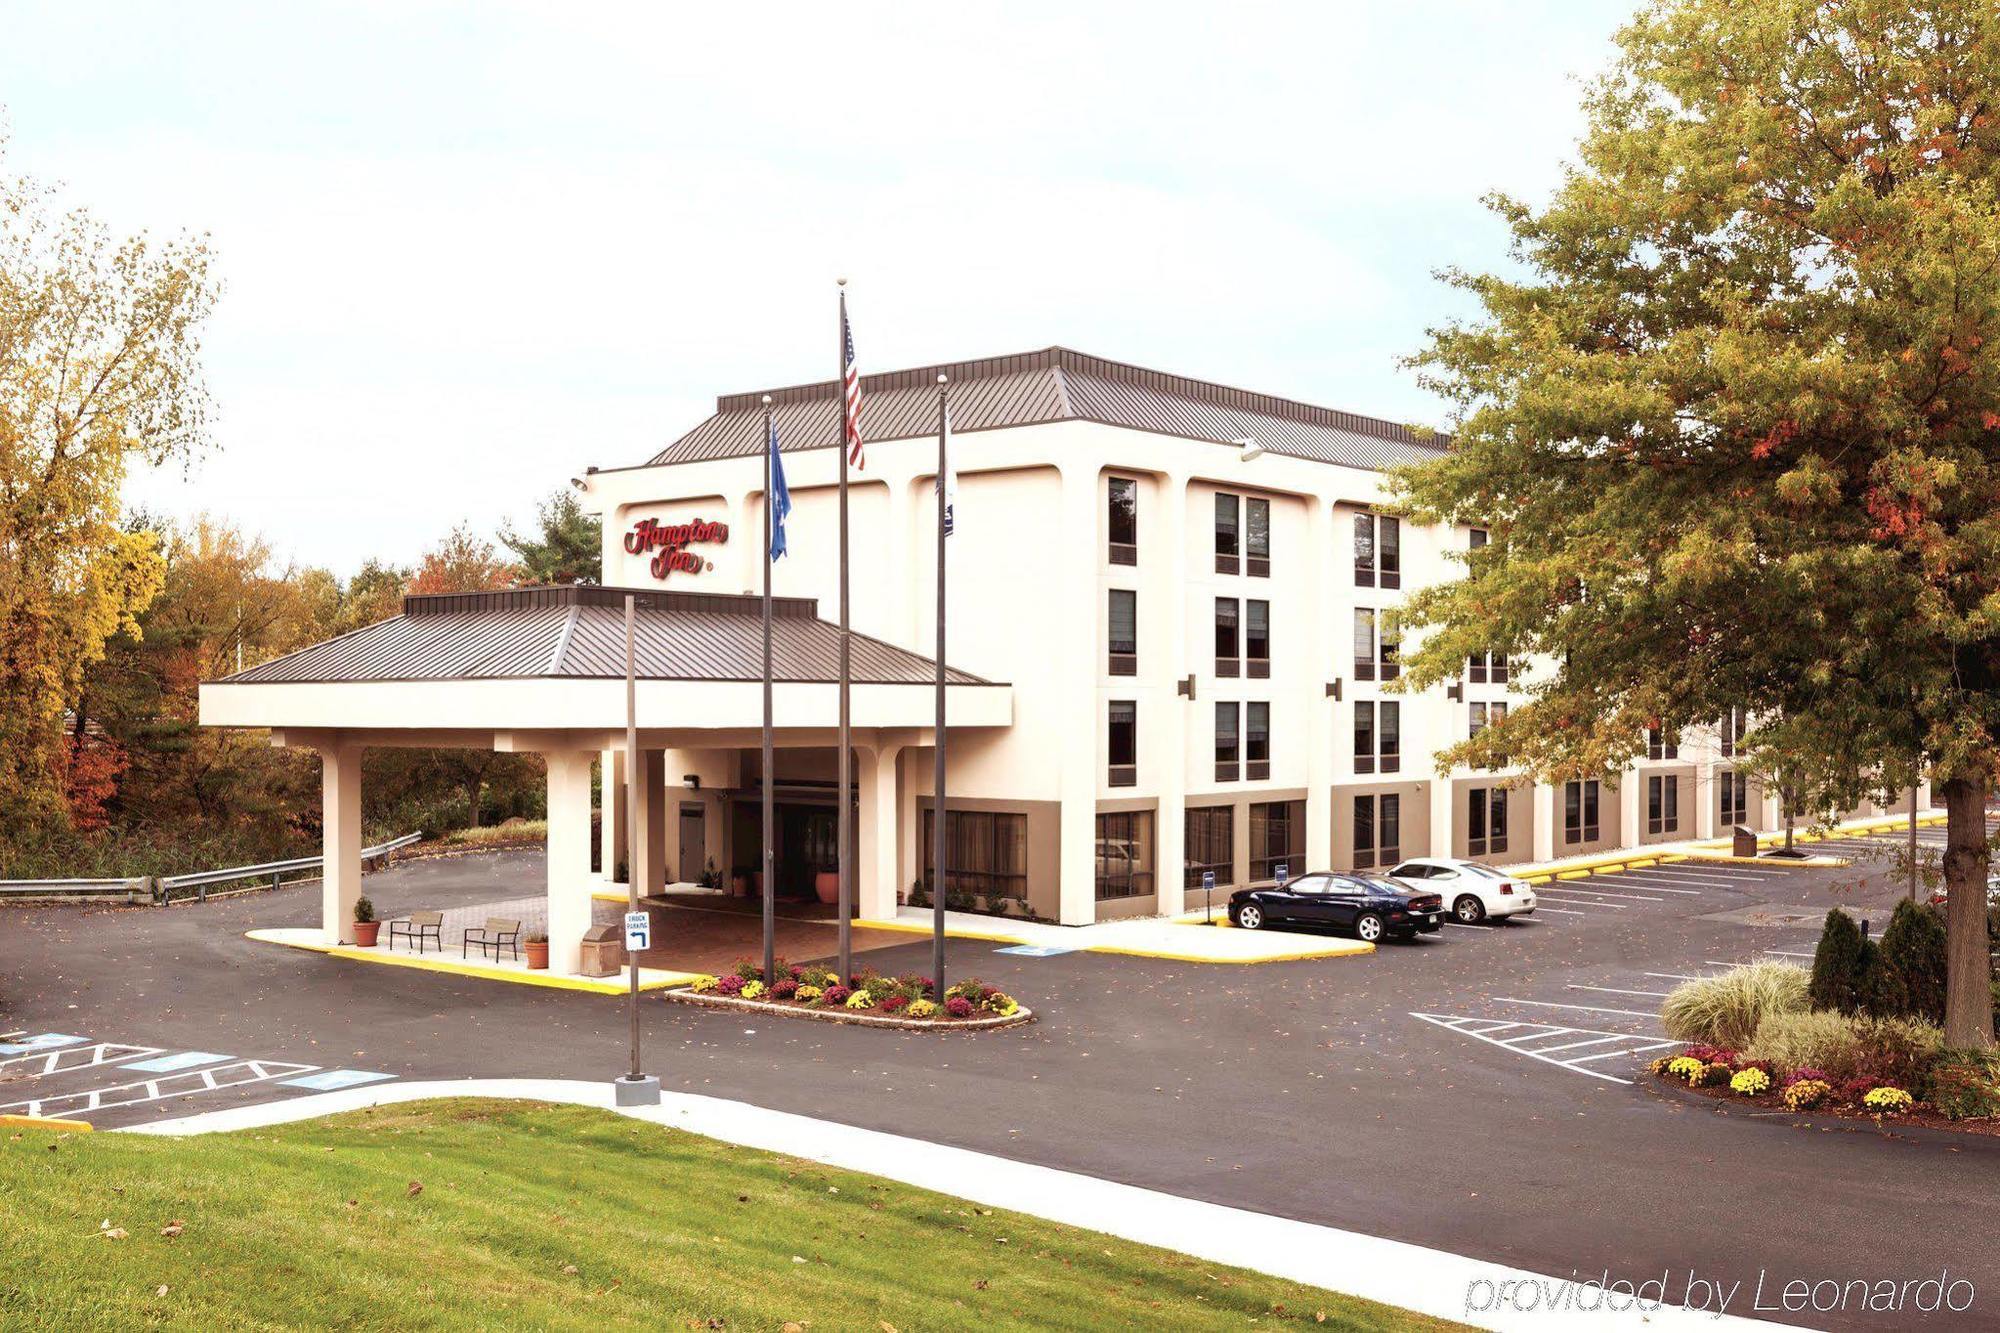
{"points": [[1580, 802], [1277, 837], [1663, 804], [1735, 792], [1486, 821], [1211, 844], [987, 853], [1378, 833], [1125, 854]]}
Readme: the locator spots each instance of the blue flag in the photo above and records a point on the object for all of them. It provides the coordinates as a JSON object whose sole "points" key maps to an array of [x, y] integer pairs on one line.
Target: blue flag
{"points": [[780, 499]]}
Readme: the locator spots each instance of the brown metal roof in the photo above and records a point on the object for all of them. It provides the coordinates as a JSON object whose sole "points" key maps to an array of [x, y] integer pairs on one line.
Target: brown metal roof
{"points": [[1055, 384], [579, 633]]}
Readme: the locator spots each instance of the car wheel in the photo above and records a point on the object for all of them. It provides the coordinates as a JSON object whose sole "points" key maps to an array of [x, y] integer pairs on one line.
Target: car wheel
{"points": [[1469, 910], [1250, 917], [1369, 927]]}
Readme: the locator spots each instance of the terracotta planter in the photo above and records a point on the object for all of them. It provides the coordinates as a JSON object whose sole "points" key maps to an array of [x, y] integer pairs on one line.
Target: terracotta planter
{"points": [[365, 933], [538, 953], [826, 884]]}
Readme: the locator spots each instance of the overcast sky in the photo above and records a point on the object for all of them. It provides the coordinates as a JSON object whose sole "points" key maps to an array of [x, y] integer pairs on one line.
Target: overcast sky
{"points": [[471, 248]]}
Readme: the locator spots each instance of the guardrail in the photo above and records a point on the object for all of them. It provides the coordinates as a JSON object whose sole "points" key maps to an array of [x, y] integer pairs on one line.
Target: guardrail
{"points": [[161, 889]]}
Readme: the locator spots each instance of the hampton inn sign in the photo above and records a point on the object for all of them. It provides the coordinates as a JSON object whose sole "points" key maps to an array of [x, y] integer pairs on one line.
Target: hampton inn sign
{"points": [[669, 542]]}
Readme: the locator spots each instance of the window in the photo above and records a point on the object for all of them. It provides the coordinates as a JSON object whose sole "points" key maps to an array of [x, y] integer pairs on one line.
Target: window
{"points": [[1478, 715], [1580, 811], [1476, 539], [1124, 743], [987, 852], [1211, 844], [1389, 551], [1257, 538], [1277, 838], [1125, 854], [1364, 644], [1124, 617], [1386, 662], [1225, 534], [1390, 738], [1122, 521], [1658, 746], [1378, 737], [1226, 752], [1378, 552], [1735, 791], [1257, 741], [1228, 645], [1377, 831], [1257, 638], [1364, 550], [1481, 668], [1486, 821], [1364, 736], [1730, 732], [1663, 804]]}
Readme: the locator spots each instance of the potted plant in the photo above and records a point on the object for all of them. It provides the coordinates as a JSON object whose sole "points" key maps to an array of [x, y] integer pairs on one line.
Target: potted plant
{"points": [[366, 927], [826, 886], [537, 945]]}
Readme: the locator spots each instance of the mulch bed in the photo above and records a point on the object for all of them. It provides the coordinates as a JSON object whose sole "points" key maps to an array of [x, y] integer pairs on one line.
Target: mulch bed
{"points": [[859, 1017], [1770, 1103]]}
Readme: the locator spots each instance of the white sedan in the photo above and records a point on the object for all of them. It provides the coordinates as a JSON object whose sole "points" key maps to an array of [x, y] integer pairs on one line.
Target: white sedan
{"points": [[1472, 890]]}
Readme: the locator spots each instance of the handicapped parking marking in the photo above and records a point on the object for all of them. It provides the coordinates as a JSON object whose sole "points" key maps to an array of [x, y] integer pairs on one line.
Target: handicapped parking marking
{"points": [[40, 1042], [1036, 950], [331, 1079], [215, 1079], [66, 1059], [167, 1064]]}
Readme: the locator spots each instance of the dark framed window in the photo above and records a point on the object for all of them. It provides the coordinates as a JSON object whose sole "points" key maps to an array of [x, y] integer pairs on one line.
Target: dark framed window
{"points": [[1481, 668], [1389, 737], [1389, 551], [1364, 736], [1123, 617], [1228, 642], [1123, 740], [1377, 831], [1226, 508], [1730, 732], [1477, 712], [1211, 844], [1257, 740], [1257, 638], [1476, 539], [1277, 838], [1125, 854], [1228, 751], [1734, 789], [987, 851], [1364, 643], [1122, 520], [1486, 821], [1386, 651], [1364, 550], [1580, 809], [1257, 538], [1663, 804], [1660, 746]]}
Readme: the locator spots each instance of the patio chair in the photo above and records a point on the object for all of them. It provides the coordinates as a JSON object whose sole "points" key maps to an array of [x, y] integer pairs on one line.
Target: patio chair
{"points": [[498, 933], [418, 928]]}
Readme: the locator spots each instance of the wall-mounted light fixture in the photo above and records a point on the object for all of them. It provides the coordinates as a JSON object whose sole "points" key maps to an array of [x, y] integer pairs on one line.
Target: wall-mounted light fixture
{"points": [[1251, 449], [1185, 689], [1333, 689], [1455, 691], [692, 781]]}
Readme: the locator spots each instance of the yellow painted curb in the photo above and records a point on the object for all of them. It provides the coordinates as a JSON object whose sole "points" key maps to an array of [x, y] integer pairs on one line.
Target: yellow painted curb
{"points": [[1332, 948], [1719, 859], [44, 1122], [950, 932], [660, 980], [1575, 874]]}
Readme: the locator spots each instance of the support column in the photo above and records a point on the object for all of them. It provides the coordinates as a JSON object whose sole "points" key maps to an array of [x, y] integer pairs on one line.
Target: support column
{"points": [[877, 862], [340, 834], [652, 816], [1631, 814], [1444, 811], [1545, 821], [1078, 748], [1319, 555], [1706, 798], [611, 842], [569, 882], [1164, 596]]}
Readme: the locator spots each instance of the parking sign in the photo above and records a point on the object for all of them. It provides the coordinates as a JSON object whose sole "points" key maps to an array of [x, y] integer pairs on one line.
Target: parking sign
{"points": [[638, 931], [1282, 873], [1208, 881]]}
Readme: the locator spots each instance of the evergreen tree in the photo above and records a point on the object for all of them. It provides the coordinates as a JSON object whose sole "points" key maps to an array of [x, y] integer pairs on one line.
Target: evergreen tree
{"points": [[1837, 977]]}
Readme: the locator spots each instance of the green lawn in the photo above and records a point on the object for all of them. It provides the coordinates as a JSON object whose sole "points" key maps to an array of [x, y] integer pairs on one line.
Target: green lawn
{"points": [[463, 1214]]}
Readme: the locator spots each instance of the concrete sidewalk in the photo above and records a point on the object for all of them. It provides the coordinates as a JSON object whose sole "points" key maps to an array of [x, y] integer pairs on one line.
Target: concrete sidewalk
{"points": [[1184, 939], [1715, 849]]}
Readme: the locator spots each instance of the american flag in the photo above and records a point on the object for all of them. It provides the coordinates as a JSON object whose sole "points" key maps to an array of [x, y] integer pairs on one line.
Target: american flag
{"points": [[851, 386]]}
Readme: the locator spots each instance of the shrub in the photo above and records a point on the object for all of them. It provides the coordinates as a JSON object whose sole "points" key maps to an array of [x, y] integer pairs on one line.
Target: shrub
{"points": [[1888, 1101], [1837, 976], [752, 969], [892, 1003], [1908, 977], [1963, 1084], [702, 984], [836, 994], [807, 994], [1686, 1068], [860, 999], [1807, 1075], [1806, 1094], [364, 910], [1821, 1040], [784, 990], [821, 977], [729, 985], [1896, 1052], [1750, 1082], [1000, 1003], [958, 1007], [971, 989], [1725, 1010], [923, 1009], [753, 990], [1713, 1074]]}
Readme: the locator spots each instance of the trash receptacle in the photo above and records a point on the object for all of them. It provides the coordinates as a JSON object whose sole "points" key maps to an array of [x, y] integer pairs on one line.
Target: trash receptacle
{"points": [[1746, 842], [602, 953]]}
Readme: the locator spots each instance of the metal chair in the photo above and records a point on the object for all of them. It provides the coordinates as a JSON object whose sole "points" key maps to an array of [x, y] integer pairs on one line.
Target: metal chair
{"points": [[498, 933], [418, 928]]}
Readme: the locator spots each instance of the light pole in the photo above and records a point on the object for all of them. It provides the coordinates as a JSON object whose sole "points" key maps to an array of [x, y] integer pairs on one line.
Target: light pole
{"points": [[633, 1088]]}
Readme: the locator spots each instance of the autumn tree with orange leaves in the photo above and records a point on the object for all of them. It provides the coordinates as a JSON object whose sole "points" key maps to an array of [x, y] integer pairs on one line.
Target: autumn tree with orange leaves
{"points": [[1734, 421]]}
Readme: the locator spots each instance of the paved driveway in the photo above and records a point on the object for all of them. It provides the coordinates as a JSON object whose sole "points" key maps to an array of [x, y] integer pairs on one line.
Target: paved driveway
{"points": [[1325, 1090]]}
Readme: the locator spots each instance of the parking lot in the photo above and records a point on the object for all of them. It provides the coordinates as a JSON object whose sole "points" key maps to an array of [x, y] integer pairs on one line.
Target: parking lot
{"points": [[1471, 1090]]}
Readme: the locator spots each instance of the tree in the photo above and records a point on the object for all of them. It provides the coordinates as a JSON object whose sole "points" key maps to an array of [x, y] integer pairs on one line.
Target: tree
{"points": [[1837, 978], [568, 549], [1734, 422], [462, 563], [100, 364], [1909, 973]]}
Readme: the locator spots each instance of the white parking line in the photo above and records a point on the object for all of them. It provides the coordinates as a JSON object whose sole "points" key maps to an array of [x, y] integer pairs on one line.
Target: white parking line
{"points": [[1584, 1008], [1782, 953], [1560, 910], [1628, 1045], [1690, 877], [1614, 990], [1606, 893], [240, 1074], [1592, 902], [1672, 976], [74, 1057], [1664, 886]]}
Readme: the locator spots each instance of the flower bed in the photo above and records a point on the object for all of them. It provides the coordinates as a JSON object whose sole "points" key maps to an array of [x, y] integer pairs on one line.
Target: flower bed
{"points": [[1730, 1076], [868, 997]]}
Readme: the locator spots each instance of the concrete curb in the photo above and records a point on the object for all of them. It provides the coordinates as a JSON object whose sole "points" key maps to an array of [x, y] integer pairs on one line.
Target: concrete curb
{"points": [[549, 980], [858, 1017], [1953, 1140]]}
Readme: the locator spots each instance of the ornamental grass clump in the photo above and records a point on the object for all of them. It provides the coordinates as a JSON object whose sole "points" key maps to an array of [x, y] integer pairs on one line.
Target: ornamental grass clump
{"points": [[1724, 1010], [1824, 1040]]}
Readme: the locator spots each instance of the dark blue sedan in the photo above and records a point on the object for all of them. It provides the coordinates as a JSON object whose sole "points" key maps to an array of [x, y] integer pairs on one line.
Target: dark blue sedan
{"points": [[1368, 905]]}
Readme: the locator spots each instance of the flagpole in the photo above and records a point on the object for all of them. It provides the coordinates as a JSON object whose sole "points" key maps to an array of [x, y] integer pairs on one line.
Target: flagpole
{"points": [[845, 822], [770, 875], [938, 723]]}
